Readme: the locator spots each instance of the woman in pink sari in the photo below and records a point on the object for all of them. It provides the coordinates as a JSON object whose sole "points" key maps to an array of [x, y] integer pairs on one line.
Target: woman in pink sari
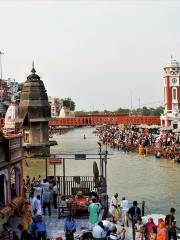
{"points": [[149, 227]]}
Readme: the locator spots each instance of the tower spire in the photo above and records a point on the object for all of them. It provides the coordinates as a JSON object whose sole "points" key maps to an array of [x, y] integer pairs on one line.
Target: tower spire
{"points": [[33, 69]]}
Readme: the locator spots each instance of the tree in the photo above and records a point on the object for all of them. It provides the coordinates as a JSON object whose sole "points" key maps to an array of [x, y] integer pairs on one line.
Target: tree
{"points": [[122, 110], [158, 111], [146, 111], [69, 103]]}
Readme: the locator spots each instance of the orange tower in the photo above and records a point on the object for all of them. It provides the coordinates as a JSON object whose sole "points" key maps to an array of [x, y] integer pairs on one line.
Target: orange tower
{"points": [[171, 116]]}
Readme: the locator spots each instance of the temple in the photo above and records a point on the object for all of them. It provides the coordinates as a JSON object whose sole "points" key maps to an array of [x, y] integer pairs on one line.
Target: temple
{"points": [[34, 115]]}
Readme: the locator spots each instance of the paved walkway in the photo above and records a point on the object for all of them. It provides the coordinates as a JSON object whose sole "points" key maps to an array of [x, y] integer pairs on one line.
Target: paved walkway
{"points": [[55, 226]]}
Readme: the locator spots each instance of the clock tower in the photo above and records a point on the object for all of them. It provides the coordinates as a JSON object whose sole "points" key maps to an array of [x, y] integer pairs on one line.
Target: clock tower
{"points": [[171, 116]]}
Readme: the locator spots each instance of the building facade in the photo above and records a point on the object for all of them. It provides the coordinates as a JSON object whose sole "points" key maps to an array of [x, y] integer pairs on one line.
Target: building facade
{"points": [[11, 117], [11, 174], [171, 116], [3, 97], [55, 104], [34, 115]]}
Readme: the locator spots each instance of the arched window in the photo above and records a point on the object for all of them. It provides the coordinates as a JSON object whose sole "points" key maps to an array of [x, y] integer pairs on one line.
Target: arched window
{"points": [[13, 182], [174, 93]]}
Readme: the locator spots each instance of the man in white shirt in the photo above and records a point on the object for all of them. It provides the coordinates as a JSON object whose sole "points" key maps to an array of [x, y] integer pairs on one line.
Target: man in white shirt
{"points": [[32, 199], [37, 191], [44, 185], [37, 206], [114, 203], [99, 232], [125, 208]]}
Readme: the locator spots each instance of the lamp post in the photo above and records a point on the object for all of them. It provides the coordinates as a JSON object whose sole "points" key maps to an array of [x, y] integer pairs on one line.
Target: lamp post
{"points": [[100, 157]]}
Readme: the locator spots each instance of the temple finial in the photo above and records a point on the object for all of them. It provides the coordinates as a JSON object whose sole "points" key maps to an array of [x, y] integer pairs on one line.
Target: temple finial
{"points": [[33, 69]]}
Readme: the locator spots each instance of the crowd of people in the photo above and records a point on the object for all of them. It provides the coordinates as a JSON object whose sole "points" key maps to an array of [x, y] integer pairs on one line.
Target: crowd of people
{"points": [[39, 195], [128, 138], [165, 229], [42, 195]]}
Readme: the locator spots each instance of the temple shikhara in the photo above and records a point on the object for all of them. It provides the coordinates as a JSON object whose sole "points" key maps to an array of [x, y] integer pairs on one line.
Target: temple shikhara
{"points": [[171, 116], [34, 115]]}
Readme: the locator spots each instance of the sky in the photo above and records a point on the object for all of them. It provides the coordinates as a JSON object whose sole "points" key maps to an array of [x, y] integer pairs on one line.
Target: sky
{"points": [[103, 54]]}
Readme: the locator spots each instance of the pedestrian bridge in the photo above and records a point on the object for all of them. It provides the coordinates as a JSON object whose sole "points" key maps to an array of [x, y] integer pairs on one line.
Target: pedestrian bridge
{"points": [[111, 119]]}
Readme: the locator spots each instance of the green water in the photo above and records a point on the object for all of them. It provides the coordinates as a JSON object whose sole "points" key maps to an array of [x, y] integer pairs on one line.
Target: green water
{"points": [[157, 181]]}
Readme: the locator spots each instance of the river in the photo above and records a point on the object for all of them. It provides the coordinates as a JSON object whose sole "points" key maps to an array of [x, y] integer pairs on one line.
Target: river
{"points": [[157, 181]]}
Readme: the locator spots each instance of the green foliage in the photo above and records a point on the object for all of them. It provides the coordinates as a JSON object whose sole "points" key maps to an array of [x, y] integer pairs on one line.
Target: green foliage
{"points": [[122, 110], [82, 112], [145, 111], [69, 103], [152, 111], [158, 111]]}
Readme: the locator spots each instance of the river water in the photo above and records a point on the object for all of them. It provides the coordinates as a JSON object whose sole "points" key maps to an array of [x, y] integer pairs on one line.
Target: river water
{"points": [[156, 181]]}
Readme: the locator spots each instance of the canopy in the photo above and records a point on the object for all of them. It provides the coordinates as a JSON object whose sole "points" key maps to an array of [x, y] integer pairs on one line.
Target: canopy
{"points": [[177, 130], [148, 126], [168, 128]]}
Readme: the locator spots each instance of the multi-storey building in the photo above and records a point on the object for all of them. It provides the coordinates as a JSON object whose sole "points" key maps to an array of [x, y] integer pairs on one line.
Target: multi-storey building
{"points": [[11, 174]]}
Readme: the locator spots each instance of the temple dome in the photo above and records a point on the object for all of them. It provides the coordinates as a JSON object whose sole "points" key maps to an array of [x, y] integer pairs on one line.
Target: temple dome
{"points": [[34, 100], [33, 76]]}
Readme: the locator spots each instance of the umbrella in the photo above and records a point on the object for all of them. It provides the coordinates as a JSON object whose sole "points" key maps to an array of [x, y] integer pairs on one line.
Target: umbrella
{"points": [[155, 218]]}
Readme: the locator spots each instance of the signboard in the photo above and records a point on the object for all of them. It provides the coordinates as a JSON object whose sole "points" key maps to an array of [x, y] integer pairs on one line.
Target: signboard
{"points": [[16, 154], [80, 156], [15, 143], [55, 161]]}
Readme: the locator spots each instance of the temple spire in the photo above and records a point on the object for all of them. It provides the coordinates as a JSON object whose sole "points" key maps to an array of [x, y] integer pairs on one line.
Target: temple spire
{"points": [[33, 69]]}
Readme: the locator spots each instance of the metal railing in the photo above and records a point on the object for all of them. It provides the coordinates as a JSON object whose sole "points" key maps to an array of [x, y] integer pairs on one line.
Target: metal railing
{"points": [[70, 185]]}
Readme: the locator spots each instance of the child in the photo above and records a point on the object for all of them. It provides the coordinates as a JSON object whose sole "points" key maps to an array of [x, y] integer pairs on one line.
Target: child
{"points": [[152, 235], [138, 229]]}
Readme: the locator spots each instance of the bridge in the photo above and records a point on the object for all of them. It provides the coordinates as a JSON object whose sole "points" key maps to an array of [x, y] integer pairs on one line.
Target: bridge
{"points": [[111, 119]]}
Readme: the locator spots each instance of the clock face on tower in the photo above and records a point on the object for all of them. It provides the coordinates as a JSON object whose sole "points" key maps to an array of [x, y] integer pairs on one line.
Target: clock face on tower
{"points": [[174, 80]]}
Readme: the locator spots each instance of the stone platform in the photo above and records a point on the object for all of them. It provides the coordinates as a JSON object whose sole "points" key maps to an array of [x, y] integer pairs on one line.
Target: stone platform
{"points": [[55, 226]]}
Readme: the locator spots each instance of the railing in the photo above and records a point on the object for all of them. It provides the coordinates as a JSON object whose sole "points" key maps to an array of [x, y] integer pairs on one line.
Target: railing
{"points": [[104, 119], [70, 185]]}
